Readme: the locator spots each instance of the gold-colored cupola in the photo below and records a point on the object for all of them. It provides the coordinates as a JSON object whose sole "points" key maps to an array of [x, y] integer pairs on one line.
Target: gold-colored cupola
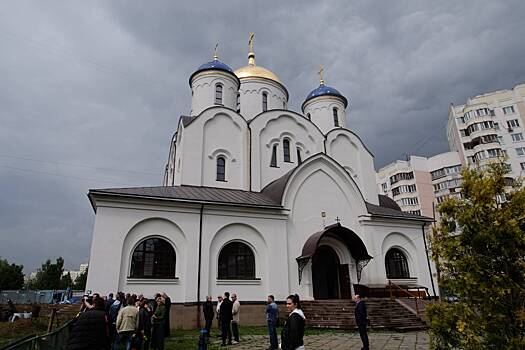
{"points": [[254, 71]]}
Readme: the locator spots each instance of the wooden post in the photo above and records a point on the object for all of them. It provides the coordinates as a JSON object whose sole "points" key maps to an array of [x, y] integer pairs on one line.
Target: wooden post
{"points": [[51, 319], [390, 287]]}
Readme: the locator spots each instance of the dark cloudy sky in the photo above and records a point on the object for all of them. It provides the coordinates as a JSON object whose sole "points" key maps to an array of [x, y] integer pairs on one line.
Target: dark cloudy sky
{"points": [[90, 92]]}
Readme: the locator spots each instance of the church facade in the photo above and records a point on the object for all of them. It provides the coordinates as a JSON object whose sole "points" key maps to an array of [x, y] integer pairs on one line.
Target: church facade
{"points": [[257, 200]]}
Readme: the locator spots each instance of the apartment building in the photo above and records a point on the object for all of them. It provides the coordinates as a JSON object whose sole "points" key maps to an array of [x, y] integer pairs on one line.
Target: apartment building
{"points": [[490, 126], [419, 184]]}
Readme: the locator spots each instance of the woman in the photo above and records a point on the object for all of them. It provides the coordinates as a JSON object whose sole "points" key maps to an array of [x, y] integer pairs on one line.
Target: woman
{"points": [[293, 331], [158, 324]]}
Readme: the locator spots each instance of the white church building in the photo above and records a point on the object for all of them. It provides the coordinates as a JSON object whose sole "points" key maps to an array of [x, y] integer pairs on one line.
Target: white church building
{"points": [[257, 199]]}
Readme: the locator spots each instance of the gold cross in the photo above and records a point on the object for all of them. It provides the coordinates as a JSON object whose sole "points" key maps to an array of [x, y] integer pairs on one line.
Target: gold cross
{"points": [[321, 71], [215, 56], [250, 42]]}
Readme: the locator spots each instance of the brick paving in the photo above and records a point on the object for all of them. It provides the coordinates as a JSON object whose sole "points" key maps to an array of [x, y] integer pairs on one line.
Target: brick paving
{"points": [[346, 341]]}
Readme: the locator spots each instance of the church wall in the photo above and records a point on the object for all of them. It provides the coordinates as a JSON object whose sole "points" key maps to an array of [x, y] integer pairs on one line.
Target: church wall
{"points": [[216, 132], [251, 91], [203, 90], [321, 112], [120, 227], [271, 129], [348, 150]]}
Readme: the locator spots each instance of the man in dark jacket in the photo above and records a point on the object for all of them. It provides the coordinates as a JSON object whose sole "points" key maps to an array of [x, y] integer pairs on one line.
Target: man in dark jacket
{"points": [[208, 314], [226, 319], [89, 331], [361, 320], [144, 329], [167, 305]]}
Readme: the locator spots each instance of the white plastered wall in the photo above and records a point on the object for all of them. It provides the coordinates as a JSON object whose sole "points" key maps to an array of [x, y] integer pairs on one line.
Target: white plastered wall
{"points": [[321, 112], [270, 129], [203, 90], [251, 91]]}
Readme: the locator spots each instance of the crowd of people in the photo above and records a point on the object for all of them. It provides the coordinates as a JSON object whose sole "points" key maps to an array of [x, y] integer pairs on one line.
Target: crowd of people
{"points": [[134, 322], [126, 322]]}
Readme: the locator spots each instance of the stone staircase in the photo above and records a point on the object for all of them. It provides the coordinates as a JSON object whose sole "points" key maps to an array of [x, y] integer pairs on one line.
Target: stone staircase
{"points": [[339, 313]]}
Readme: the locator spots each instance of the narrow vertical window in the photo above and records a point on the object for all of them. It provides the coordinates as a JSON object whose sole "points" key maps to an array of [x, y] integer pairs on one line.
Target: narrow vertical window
{"points": [[299, 158], [273, 161], [308, 116], [221, 169], [218, 94], [265, 101], [336, 118], [284, 104], [238, 102], [286, 150]]}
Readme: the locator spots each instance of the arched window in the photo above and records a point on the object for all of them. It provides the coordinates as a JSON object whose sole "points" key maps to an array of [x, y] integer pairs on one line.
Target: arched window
{"points": [[299, 158], [286, 150], [308, 116], [221, 169], [396, 264], [238, 102], [236, 262], [336, 118], [264, 101], [284, 104], [218, 94], [153, 258], [273, 161]]}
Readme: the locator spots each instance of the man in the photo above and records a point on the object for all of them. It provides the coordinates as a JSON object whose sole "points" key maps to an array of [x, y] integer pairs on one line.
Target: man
{"points": [[361, 320], [167, 305], [89, 329], [207, 309], [127, 323], [219, 302], [226, 319], [272, 315], [109, 302], [236, 308]]}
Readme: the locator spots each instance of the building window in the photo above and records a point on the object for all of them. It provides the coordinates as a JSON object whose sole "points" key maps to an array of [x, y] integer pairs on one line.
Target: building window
{"points": [[513, 124], [153, 258], [517, 137], [236, 262], [520, 151], [508, 110], [221, 169], [522, 164], [284, 104], [264, 101], [308, 116], [238, 102], [218, 94], [396, 264], [286, 150], [401, 176], [336, 118], [299, 158], [273, 161]]}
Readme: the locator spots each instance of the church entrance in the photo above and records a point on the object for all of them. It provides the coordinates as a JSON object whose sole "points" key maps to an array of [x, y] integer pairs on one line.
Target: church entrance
{"points": [[331, 280]]}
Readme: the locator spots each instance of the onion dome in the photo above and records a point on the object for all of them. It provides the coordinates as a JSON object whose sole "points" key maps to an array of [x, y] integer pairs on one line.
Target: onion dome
{"points": [[213, 65], [324, 90]]}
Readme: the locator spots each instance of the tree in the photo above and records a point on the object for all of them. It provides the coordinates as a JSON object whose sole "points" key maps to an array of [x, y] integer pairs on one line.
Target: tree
{"points": [[80, 281], [49, 276], [480, 249], [66, 281], [11, 275]]}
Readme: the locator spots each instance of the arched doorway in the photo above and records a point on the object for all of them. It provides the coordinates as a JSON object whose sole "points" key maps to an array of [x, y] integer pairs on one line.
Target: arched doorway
{"points": [[325, 274]]}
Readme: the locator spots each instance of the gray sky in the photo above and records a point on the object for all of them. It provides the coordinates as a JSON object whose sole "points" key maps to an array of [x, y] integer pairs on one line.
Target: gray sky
{"points": [[90, 92]]}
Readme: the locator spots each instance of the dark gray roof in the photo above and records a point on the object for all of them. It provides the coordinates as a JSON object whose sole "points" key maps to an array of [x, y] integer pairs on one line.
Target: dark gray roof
{"points": [[185, 120], [379, 210], [388, 202], [196, 194]]}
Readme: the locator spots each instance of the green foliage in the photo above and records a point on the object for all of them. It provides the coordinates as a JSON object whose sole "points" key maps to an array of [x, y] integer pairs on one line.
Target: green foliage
{"points": [[11, 275], [49, 276], [80, 281], [480, 249], [66, 281]]}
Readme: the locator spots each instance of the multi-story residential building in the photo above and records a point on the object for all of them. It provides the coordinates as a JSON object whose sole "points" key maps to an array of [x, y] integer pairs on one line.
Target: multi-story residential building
{"points": [[419, 184], [489, 126]]}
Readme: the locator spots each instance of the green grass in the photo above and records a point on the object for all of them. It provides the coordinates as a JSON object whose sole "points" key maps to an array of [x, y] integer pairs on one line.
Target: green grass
{"points": [[9, 332]]}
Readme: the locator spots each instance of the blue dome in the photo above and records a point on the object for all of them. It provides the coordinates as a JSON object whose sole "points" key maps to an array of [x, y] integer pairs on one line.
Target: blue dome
{"points": [[214, 65], [324, 90]]}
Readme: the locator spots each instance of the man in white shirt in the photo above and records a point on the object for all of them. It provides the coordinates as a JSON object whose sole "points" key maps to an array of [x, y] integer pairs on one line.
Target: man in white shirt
{"points": [[235, 319]]}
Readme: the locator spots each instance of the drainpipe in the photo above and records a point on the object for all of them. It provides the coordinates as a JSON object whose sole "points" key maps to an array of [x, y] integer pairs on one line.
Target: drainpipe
{"points": [[428, 259], [199, 270]]}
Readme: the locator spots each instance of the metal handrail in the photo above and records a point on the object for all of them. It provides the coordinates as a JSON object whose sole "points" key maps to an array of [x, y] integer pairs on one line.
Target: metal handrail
{"points": [[409, 294]]}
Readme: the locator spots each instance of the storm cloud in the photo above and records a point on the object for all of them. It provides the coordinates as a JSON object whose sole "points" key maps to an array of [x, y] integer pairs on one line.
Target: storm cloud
{"points": [[91, 92]]}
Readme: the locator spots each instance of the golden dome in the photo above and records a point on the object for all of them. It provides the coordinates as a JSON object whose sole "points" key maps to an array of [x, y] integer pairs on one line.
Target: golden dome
{"points": [[253, 71]]}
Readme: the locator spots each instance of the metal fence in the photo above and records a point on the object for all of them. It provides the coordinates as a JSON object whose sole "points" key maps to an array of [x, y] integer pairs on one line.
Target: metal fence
{"points": [[56, 340], [27, 296]]}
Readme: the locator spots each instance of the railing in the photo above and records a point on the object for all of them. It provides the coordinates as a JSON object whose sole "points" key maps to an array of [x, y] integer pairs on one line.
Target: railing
{"points": [[55, 340], [392, 286]]}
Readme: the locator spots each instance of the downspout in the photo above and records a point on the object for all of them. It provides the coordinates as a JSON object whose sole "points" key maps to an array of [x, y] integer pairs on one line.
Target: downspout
{"points": [[428, 259], [199, 270]]}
